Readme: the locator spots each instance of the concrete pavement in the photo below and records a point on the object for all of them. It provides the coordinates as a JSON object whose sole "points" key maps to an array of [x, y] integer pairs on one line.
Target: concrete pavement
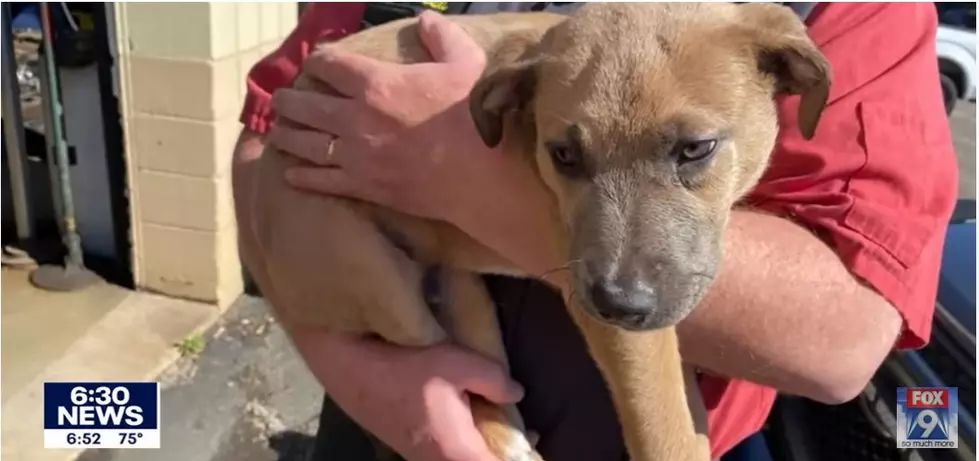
{"points": [[247, 397], [133, 341]]}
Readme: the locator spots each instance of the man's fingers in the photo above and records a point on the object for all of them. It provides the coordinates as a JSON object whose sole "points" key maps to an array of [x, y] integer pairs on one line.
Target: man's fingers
{"points": [[487, 379], [346, 71], [322, 112], [499, 389], [446, 41], [313, 146]]}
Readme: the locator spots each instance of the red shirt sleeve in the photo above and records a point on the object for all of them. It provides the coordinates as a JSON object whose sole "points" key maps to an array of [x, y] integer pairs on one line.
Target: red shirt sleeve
{"points": [[319, 22], [877, 182]]}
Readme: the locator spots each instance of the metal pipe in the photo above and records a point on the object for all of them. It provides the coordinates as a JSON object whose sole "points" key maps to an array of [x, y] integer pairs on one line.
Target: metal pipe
{"points": [[57, 132], [13, 134], [49, 144]]}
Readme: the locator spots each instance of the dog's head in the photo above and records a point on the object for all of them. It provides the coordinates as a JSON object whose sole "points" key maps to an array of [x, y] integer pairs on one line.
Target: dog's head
{"points": [[648, 122]]}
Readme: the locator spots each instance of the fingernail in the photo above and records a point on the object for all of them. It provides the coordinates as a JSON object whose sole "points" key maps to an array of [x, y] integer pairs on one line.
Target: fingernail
{"points": [[424, 21]]}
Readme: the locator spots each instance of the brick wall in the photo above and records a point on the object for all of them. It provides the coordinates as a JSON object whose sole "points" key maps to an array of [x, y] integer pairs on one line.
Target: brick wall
{"points": [[182, 73]]}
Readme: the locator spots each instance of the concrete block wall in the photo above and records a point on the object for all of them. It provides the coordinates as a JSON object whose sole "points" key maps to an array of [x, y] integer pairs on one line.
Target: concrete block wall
{"points": [[182, 69]]}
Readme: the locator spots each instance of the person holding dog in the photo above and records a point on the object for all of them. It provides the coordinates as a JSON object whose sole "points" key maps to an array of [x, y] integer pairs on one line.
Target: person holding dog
{"points": [[831, 264]]}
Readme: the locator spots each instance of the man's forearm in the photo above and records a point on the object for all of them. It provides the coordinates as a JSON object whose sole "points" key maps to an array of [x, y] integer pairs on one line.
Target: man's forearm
{"points": [[785, 312]]}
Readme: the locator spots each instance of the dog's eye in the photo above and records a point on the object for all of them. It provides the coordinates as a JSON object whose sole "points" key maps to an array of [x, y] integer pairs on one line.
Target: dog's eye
{"points": [[563, 155], [697, 150], [567, 160]]}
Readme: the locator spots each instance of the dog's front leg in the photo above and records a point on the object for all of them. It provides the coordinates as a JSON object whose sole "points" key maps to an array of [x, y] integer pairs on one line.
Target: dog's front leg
{"points": [[646, 378], [469, 316]]}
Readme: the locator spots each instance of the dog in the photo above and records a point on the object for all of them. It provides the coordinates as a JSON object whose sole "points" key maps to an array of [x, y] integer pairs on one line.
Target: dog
{"points": [[645, 125]]}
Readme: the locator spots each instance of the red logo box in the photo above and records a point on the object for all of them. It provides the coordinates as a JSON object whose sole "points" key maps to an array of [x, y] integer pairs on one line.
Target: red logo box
{"points": [[924, 397]]}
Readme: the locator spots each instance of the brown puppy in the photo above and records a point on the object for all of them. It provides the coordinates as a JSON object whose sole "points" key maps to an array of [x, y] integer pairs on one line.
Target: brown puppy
{"points": [[645, 123]]}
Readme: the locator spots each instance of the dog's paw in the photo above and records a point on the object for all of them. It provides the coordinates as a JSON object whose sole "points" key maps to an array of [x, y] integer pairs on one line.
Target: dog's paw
{"points": [[509, 443], [515, 447], [500, 428]]}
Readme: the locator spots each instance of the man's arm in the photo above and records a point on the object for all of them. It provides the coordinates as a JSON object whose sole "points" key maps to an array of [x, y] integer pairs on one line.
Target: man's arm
{"points": [[812, 305], [786, 312]]}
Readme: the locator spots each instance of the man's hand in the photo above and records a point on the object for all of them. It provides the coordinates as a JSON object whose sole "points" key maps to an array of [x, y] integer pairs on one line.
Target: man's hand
{"points": [[415, 400], [404, 139]]}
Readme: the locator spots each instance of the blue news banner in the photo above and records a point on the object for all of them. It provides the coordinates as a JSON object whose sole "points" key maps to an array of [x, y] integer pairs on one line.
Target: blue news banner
{"points": [[927, 417], [101, 415]]}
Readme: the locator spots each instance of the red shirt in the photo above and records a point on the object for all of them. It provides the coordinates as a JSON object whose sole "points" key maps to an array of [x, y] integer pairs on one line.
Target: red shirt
{"points": [[877, 183]]}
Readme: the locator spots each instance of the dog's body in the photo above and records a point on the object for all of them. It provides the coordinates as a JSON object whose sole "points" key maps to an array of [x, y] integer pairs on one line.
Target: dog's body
{"points": [[643, 139]]}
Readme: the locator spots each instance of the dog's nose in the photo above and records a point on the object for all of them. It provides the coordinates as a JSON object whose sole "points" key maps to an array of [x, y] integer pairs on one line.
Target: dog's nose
{"points": [[628, 300]]}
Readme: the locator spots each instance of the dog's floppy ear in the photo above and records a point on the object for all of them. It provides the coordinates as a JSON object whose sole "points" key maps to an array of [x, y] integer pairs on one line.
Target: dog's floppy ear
{"points": [[786, 52], [507, 85]]}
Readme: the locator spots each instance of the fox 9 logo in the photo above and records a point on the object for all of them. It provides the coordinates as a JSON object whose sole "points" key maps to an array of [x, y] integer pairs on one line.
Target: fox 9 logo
{"points": [[927, 417]]}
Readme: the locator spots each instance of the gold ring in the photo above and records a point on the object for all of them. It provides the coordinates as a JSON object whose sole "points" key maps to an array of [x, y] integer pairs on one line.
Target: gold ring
{"points": [[329, 150]]}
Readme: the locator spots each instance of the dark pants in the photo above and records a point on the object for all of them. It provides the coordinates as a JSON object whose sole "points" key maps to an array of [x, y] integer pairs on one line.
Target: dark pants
{"points": [[567, 402]]}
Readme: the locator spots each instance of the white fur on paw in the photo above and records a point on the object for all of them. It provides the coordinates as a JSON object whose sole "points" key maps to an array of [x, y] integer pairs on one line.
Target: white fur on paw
{"points": [[518, 448]]}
